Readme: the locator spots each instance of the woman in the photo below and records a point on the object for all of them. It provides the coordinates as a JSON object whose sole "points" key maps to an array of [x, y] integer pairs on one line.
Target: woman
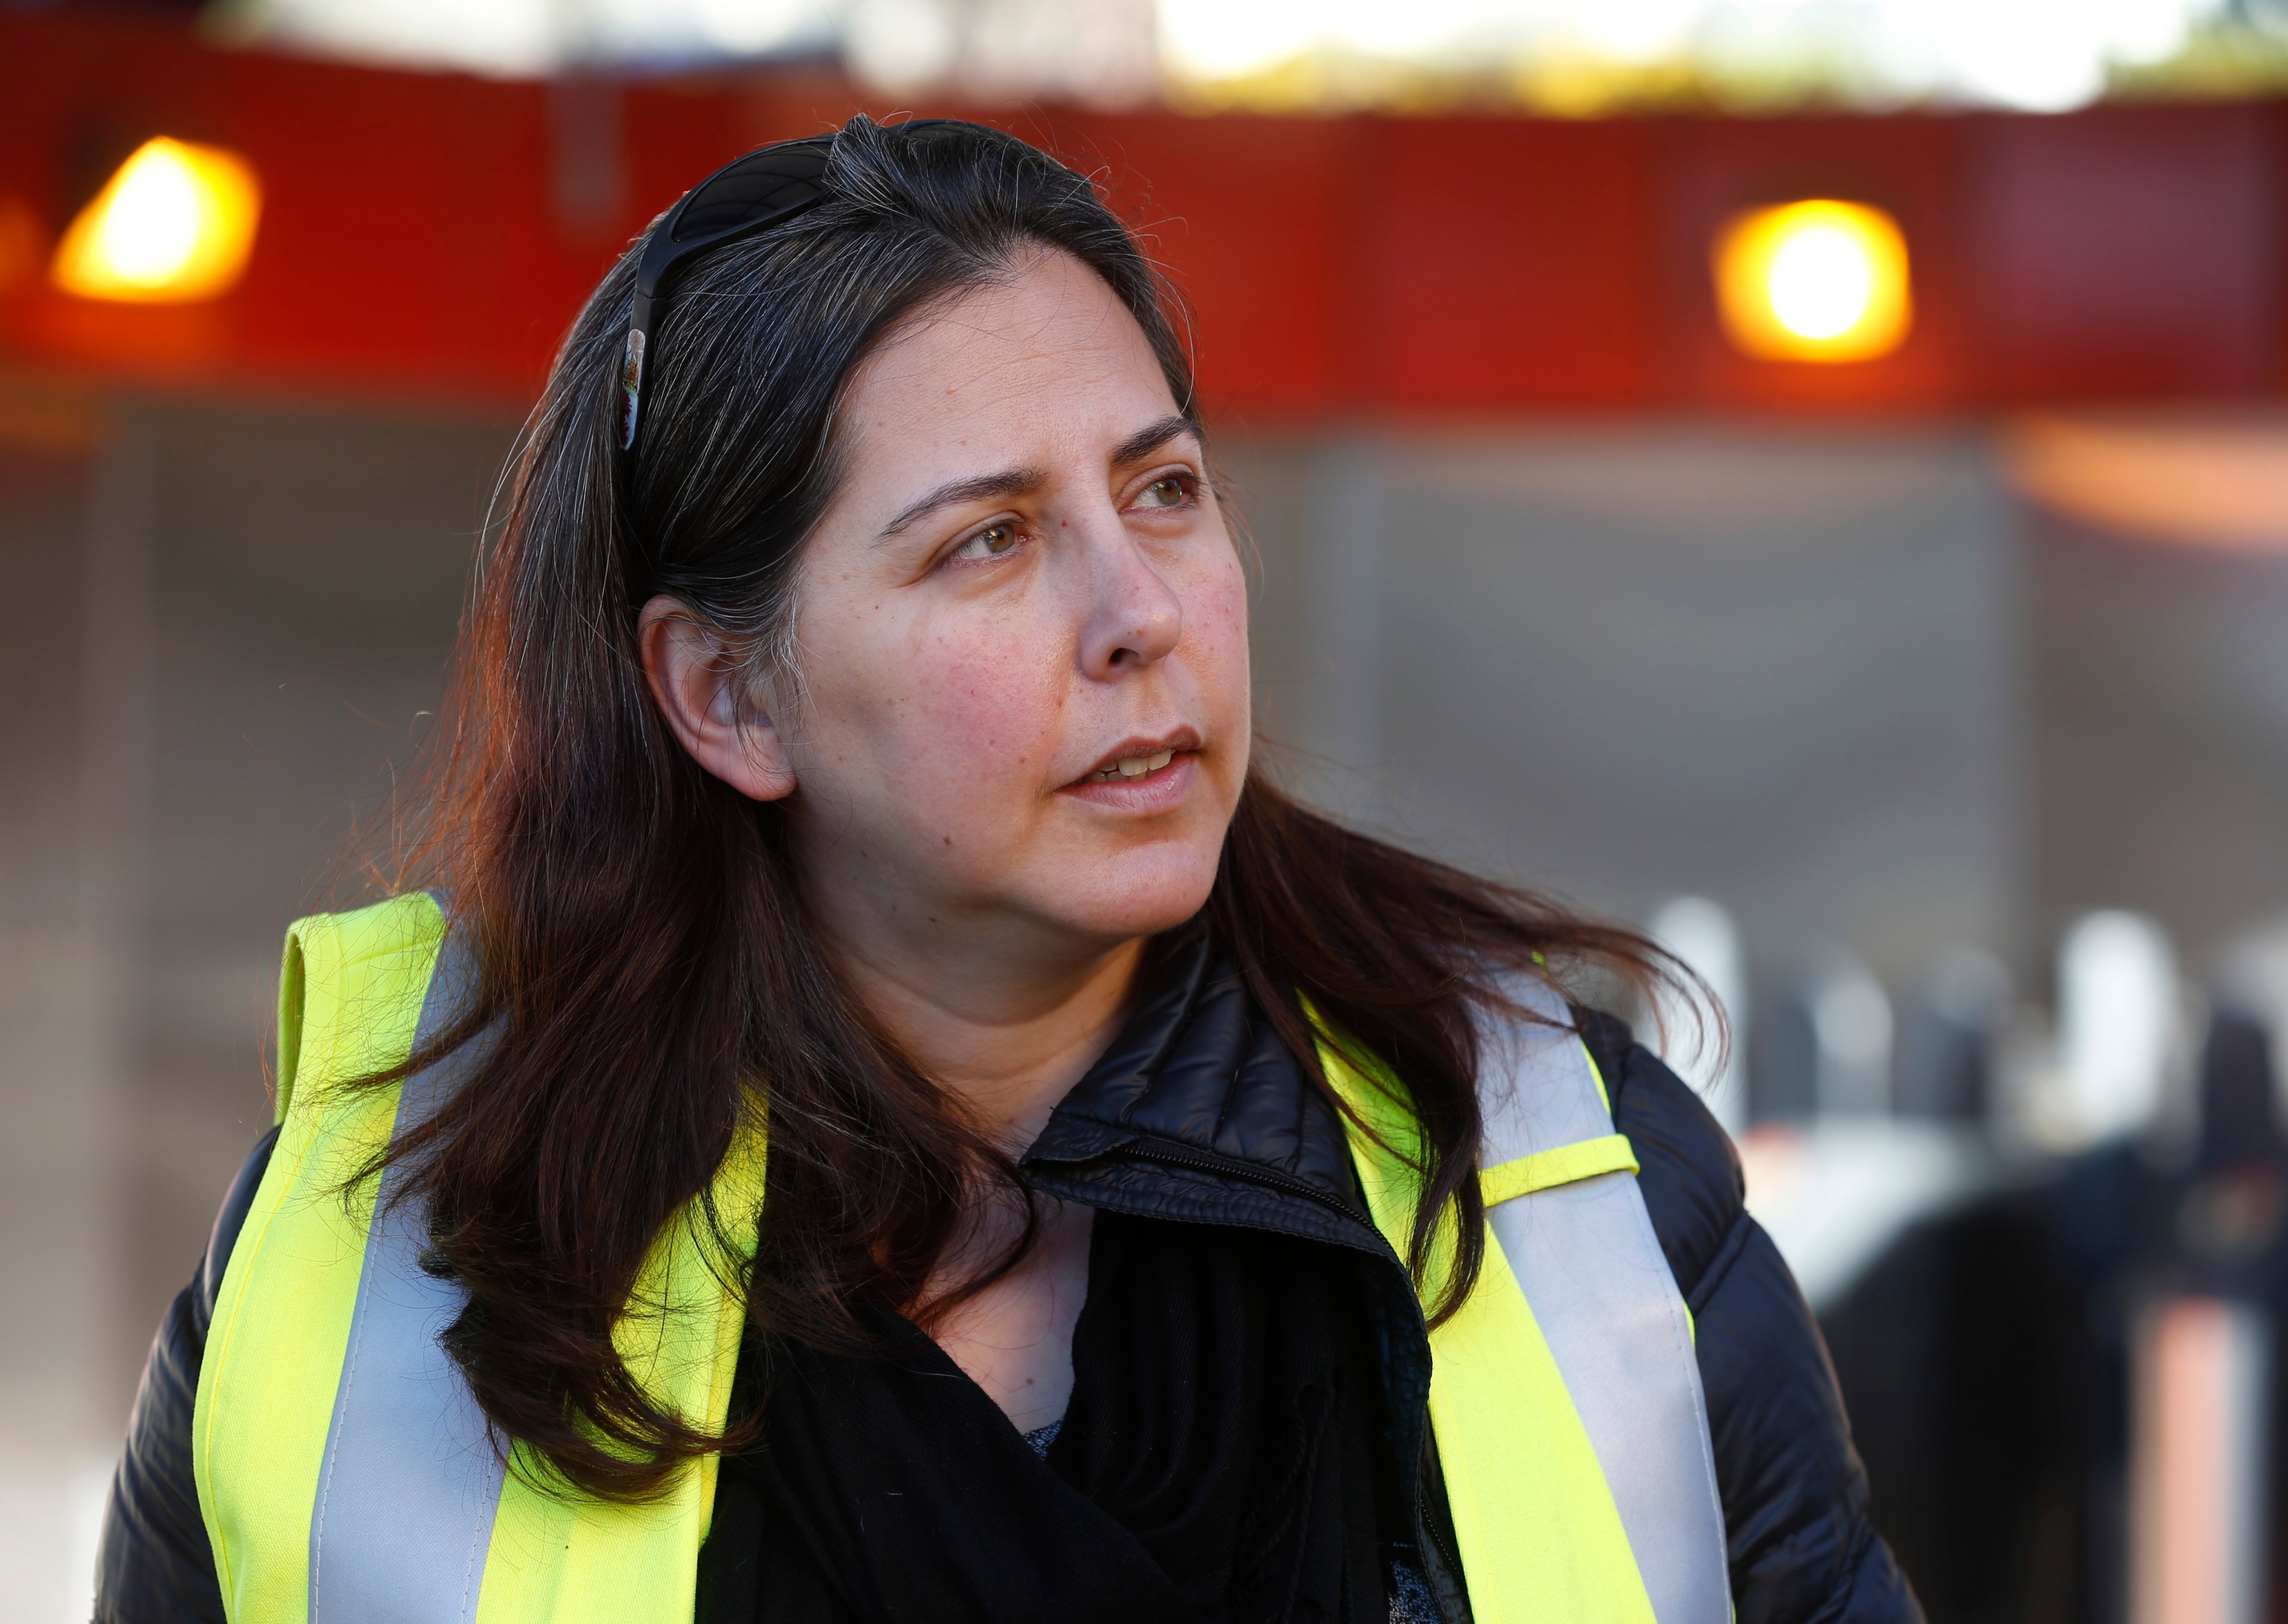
{"points": [[885, 1117]]}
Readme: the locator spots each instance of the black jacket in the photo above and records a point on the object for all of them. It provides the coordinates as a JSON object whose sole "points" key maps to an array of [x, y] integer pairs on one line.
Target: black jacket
{"points": [[1198, 1112]]}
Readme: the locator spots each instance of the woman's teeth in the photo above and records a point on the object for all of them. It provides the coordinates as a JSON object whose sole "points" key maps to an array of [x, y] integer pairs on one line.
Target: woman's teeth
{"points": [[1131, 766]]}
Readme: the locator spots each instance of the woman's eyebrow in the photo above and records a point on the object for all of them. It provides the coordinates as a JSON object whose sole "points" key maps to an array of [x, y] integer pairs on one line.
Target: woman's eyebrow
{"points": [[1150, 438], [977, 487], [1022, 481]]}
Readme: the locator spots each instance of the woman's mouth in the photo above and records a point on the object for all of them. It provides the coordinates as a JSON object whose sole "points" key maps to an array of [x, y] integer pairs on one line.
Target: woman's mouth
{"points": [[1145, 773], [1131, 766]]}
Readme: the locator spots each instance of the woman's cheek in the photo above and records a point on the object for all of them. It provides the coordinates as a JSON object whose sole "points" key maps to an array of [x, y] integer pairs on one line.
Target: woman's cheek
{"points": [[986, 716], [1216, 622]]}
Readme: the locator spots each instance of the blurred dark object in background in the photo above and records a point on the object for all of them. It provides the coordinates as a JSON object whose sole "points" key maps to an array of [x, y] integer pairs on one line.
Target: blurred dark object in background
{"points": [[2006, 1365], [1954, 1031], [1958, 1356]]}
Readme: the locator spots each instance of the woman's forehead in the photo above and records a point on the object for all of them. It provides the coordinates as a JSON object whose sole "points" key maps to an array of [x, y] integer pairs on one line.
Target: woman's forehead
{"points": [[1048, 351]]}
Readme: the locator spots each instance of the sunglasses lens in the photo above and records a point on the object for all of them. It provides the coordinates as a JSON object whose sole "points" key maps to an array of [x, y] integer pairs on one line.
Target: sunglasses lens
{"points": [[771, 183]]}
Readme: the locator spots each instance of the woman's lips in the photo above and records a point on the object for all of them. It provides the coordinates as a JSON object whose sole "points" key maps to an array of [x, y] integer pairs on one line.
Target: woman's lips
{"points": [[1131, 767], [1160, 789], [1142, 754]]}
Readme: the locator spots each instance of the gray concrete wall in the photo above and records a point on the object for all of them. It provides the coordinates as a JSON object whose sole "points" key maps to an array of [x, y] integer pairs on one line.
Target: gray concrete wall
{"points": [[2159, 770], [222, 625], [61, 1063], [308, 569], [1776, 668]]}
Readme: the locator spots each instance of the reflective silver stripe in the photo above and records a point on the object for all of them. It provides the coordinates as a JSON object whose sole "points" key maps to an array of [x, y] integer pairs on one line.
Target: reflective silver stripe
{"points": [[1586, 1256], [404, 1513]]}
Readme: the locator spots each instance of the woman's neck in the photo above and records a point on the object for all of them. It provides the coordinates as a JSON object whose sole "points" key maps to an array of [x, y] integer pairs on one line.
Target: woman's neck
{"points": [[1003, 1025]]}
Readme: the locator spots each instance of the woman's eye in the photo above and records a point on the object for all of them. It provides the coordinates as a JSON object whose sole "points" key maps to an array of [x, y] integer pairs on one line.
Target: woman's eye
{"points": [[1168, 491], [991, 542]]}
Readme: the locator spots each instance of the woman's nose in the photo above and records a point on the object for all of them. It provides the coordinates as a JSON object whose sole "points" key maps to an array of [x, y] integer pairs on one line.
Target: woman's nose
{"points": [[1135, 617]]}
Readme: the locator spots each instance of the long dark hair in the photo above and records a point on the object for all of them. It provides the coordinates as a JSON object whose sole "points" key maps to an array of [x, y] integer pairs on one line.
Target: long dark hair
{"points": [[644, 955]]}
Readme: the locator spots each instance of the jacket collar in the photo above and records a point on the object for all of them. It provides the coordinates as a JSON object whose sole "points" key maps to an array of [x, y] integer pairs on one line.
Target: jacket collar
{"points": [[1198, 1079]]}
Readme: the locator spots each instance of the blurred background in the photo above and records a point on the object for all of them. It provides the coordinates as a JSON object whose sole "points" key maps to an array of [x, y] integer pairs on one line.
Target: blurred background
{"points": [[1810, 477]]}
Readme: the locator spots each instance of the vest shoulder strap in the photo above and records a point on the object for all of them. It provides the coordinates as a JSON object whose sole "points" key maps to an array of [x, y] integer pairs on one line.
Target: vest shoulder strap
{"points": [[1573, 1228], [351, 989], [1565, 1392], [345, 1471]]}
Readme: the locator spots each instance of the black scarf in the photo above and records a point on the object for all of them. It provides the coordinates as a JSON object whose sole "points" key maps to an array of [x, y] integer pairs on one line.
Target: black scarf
{"points": [[1216, 1462], [1246, 1426]]}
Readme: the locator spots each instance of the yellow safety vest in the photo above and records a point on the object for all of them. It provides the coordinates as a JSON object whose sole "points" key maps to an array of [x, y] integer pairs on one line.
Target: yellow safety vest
{"points": [[346, 1476]]}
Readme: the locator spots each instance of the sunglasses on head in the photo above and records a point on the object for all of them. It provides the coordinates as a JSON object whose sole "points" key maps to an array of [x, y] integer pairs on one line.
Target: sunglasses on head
{"points": [[768, 185]]}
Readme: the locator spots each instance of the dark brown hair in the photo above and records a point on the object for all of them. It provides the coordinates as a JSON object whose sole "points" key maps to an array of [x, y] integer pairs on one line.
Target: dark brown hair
{"points": [[645, 966]]}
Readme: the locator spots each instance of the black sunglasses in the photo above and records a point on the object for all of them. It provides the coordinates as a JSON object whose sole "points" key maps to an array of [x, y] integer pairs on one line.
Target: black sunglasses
{"points": [[769, 184]]}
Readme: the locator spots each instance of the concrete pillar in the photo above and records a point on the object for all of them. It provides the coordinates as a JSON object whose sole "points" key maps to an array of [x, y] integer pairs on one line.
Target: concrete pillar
{"points": [[74, 835]]}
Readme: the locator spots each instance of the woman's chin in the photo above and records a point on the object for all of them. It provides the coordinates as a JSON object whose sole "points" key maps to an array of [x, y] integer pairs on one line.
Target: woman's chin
{"points": [[1135, 893]]}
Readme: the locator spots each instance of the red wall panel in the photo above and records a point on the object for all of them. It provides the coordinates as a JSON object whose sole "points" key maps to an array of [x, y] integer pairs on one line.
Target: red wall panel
{"points": [[1259, 221], [1513, 264], [427, 234], [2129, 251]]}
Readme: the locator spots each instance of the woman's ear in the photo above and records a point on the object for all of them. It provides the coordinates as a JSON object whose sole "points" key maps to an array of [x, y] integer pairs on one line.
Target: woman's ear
{"points": [[709, 702]]}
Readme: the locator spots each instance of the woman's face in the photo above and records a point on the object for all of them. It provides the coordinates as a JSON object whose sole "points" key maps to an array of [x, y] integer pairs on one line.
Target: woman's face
{"points": [[1021, 631]]}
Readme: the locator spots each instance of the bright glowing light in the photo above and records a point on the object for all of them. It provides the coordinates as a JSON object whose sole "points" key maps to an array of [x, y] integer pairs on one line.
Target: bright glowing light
{"points": [[1643, 31], [1819, 281], [175, 224], [2042, 54], [1208, 39], [745, 26], [901, 45], [2038, 54]]}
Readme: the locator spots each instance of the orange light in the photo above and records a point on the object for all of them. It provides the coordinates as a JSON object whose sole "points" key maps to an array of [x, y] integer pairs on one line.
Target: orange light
{"points": [[1818, 281], [174, 225]]}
